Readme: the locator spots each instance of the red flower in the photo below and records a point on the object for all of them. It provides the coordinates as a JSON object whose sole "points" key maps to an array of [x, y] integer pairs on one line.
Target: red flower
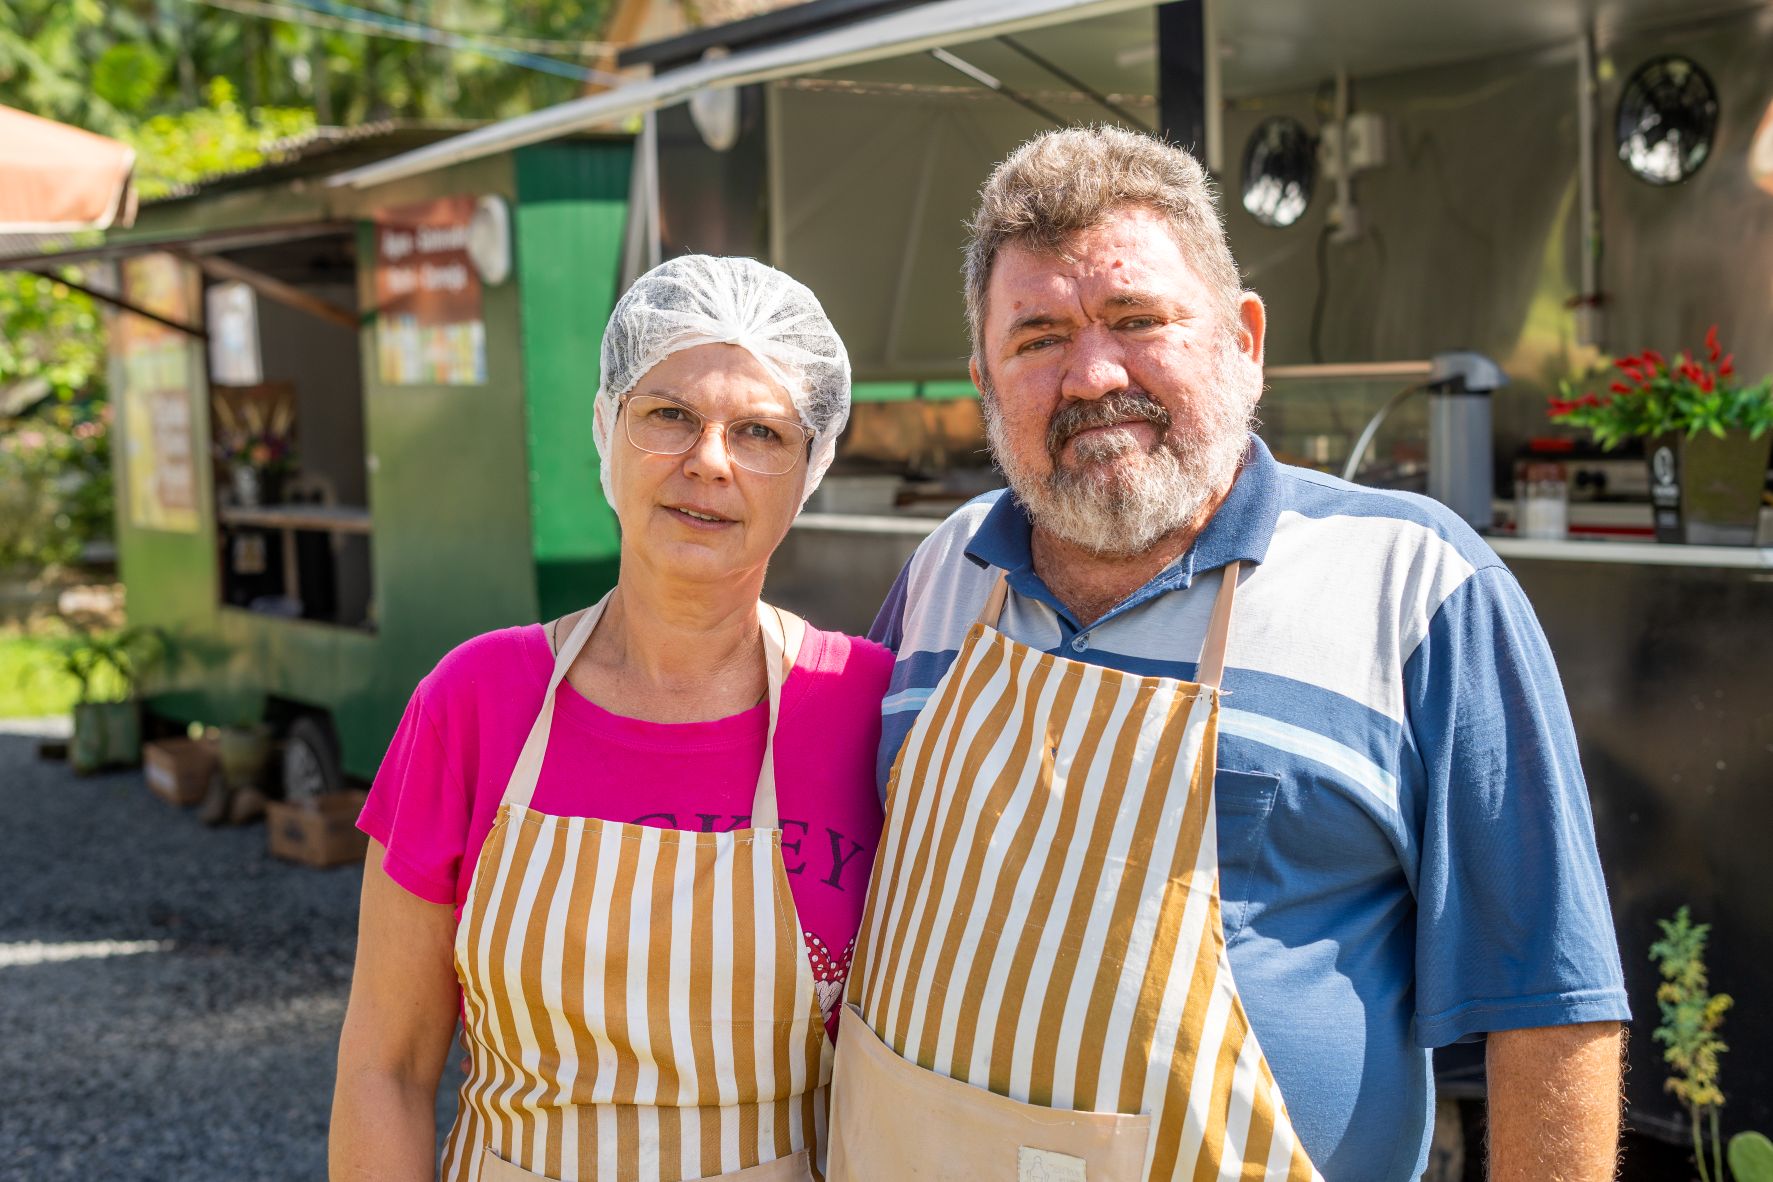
{"points": [[1620, 388], [1653, 358], [1630, 366], [1560, 406], [1589, 400], [1711, 342], [1727, 366], [1706, 384], [1690, 371]]}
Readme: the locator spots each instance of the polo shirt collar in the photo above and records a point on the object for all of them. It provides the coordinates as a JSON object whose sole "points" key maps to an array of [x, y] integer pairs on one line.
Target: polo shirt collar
{"points": [[1240, 531]]}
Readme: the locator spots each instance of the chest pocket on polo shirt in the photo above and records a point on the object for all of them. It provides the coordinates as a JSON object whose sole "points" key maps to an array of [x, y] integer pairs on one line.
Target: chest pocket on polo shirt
{"points": [[1243, 801]]}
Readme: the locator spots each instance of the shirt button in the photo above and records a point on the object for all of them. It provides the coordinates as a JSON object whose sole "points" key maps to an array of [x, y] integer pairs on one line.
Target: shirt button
{"points": [[1080, 643]]}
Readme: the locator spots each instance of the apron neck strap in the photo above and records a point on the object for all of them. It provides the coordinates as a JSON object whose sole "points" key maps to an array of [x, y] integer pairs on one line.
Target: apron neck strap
{"points": [[1211, 670], [783, 633], [993, 609]]}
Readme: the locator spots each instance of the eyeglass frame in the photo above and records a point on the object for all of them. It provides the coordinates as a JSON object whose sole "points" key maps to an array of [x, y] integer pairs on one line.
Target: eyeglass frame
{"points": [[706, 421]]}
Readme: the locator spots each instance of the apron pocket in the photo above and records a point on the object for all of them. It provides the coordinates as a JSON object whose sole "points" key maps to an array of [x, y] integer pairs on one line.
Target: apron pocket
{"points": [[891, 1120], [796, 1167], [1243, 801]]}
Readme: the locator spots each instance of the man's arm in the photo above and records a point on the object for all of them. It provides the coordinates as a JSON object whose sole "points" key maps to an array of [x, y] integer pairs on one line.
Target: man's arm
{"points": [[1554, 1103]]}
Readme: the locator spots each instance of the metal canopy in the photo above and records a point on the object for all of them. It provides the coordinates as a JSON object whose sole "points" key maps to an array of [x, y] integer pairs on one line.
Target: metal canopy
{"points": [[928, 26], [1266, 44]]}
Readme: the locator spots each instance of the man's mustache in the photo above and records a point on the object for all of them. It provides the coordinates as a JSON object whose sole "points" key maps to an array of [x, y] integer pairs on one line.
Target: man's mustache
{"points": [[1122, 406]]}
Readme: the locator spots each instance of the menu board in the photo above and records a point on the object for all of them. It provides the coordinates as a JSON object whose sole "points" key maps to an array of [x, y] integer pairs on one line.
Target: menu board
{"points": [[155, 364], [429, 326]]}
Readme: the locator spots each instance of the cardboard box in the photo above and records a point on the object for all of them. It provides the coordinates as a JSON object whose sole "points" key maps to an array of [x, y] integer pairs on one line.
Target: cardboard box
{"points": [[319, 832], [178, 770]]}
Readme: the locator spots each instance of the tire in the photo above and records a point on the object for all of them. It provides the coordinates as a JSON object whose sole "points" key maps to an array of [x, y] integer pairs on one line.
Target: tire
{"points": [[310, 759]]}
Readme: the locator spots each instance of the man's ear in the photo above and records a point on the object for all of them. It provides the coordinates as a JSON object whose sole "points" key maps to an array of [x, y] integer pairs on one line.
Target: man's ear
{"points": [[973, 371], [1252, 328]]}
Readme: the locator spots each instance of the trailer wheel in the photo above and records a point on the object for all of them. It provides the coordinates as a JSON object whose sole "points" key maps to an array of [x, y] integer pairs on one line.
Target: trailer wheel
{"points": [[310, 760]]}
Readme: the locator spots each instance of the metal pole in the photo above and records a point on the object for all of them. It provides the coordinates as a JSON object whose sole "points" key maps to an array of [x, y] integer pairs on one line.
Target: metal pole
{"points": [[1351, 371], [990, 82], [124, 305], [1588, 308], [1077, 84]]}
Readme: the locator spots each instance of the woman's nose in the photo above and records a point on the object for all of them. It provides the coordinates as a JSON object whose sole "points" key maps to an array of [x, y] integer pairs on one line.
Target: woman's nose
{"points": [[708, 456]]}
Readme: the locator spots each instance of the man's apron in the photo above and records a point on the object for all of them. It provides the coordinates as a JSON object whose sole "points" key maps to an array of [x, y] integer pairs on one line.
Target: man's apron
{"points": [[1040, 991], [639, 1003]]}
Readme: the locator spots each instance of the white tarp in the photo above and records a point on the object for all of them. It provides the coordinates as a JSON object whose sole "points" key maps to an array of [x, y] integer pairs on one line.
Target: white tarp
{"points": [[912, 30]]}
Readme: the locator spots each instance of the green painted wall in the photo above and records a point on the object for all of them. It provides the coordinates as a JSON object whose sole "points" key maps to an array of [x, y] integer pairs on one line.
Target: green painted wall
{"points": [[572, 203]]}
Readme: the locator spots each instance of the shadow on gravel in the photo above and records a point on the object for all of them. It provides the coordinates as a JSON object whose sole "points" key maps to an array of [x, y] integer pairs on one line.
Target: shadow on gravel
{"points": [[170, 995]]}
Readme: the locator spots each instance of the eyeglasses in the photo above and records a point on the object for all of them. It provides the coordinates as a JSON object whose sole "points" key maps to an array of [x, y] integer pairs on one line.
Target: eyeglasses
{"points": [[666, 427]]}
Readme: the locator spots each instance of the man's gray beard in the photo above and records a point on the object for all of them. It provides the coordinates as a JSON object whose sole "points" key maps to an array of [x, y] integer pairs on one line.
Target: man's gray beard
{"points": [[1117, 511]]}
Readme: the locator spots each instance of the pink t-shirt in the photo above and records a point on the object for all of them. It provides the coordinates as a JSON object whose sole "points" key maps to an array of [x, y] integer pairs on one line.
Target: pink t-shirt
{"points": [[438, 791]]}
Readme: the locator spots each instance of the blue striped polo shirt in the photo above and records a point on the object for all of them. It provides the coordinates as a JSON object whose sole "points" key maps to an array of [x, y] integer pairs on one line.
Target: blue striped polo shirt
{"points": [[1407, 855]]}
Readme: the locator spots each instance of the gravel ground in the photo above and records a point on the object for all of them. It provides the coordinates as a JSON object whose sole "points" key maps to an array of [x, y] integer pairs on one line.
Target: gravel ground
{"points": [[200, 1044]]}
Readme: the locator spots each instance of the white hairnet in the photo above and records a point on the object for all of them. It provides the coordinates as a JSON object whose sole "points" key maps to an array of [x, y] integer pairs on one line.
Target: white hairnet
{"points": [[705, 300]]}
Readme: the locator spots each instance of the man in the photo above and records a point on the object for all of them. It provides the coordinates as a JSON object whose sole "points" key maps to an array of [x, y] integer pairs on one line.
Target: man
{"points": [[1393, 850]]}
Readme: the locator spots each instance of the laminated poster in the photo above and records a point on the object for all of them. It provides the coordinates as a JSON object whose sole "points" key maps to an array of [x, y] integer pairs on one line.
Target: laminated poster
{"points": [[429, 326], [159, 435]]}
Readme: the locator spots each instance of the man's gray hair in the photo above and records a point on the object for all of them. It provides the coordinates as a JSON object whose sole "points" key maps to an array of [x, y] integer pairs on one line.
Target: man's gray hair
{"points": [[1062, 182]]}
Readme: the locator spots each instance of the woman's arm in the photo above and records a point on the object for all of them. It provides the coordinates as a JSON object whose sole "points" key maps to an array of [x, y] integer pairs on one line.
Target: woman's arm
{"points": [[404, 1002]]}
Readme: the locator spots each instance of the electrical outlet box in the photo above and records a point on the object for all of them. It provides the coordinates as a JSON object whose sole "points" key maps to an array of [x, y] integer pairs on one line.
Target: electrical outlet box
{"points": [[1363, 141]]}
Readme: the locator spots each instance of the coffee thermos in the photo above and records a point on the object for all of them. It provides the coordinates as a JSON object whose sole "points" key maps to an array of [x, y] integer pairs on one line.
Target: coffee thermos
{"points": [[1460, 445]]}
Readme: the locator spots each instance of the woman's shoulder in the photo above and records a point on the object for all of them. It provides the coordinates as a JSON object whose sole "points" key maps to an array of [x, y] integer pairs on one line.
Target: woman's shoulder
{"points": [[499, 663], [854, 663]]}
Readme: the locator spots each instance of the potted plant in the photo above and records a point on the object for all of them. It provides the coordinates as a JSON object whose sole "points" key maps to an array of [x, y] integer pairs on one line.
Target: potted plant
{"points": [[1705, 436], [256, 440], [1692, 1019], [107, 715]]}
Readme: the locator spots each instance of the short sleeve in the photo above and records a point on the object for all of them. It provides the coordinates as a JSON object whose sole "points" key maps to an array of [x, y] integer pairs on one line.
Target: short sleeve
{"points": [[888, 629], [1514, 929], [418, 808]]}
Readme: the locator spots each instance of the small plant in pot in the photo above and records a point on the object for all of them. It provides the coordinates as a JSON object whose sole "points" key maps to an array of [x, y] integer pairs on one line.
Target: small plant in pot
{"points": [[1704, 431], [1693, 1047], [107, 715]]}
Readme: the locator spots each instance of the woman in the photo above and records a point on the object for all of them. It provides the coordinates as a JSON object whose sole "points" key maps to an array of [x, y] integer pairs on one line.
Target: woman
{"points": [[646, 957]]}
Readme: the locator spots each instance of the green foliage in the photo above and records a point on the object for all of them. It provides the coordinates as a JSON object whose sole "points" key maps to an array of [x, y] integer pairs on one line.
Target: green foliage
{"points": [[1650, 395], [33, 681], [1751, 1158], [56, 491], [104, 64], [129, 77], [1691, 1017], [217, 138], [49, 333], [106, 666]]}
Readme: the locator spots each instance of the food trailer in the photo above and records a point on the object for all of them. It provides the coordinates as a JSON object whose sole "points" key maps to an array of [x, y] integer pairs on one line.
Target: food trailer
{"points": [[354, 424], [1403, 182]]}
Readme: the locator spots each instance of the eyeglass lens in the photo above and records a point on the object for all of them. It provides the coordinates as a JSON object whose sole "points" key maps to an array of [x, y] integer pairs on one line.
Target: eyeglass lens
{"points": [[769, 447]]}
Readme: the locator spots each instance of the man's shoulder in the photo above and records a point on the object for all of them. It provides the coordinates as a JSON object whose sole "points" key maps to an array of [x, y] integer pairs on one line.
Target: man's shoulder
{"points": [[944, 586], [1334, 514]]}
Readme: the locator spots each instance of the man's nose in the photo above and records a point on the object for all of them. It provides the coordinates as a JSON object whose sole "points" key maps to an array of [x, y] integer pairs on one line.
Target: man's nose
{"points": [[1098, 365]]}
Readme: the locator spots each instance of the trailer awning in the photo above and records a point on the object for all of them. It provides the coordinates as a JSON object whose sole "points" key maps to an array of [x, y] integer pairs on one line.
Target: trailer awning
{"points": [[56, 179], [927, 26]]}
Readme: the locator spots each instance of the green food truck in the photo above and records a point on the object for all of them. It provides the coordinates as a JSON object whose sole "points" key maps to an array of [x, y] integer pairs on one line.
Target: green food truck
{"points": [[354, 425]]}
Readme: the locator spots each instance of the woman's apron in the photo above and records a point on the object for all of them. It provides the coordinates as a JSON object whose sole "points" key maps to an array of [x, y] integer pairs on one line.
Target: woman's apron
{"points": [[1040, 991], [639, 1004]]}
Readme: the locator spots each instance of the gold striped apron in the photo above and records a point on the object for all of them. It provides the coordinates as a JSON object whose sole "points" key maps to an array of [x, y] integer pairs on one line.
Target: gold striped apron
{"points": [[639, 1006], [1040, 991]]}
